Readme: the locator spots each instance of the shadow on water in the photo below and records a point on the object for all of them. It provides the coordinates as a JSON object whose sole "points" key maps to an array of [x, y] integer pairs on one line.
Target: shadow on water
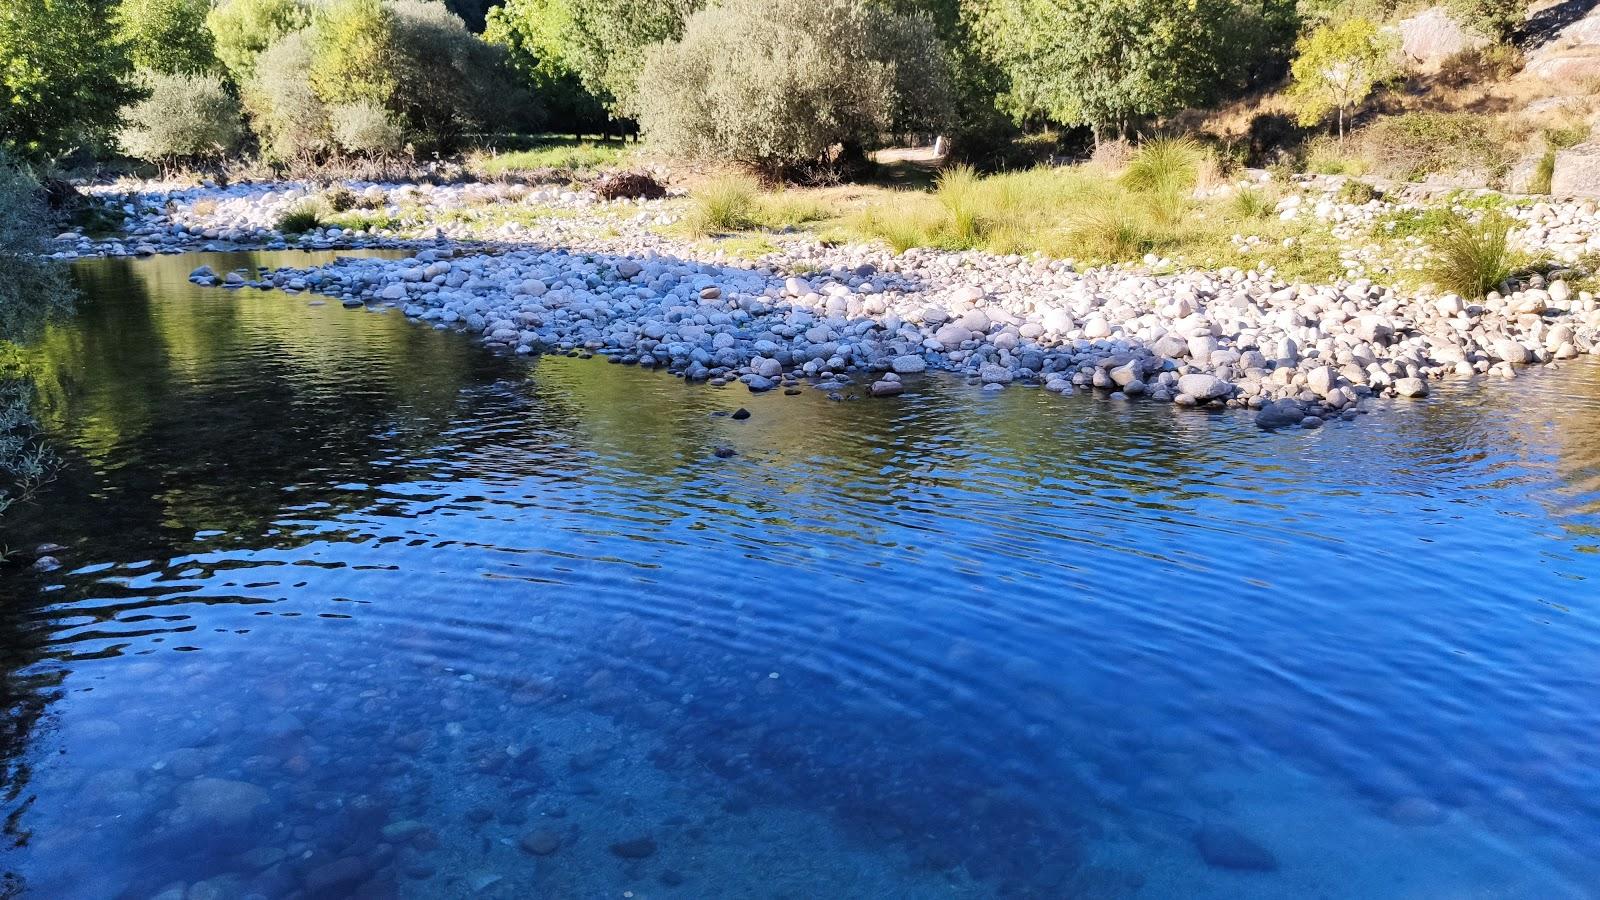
{"points": [[357, 608]]}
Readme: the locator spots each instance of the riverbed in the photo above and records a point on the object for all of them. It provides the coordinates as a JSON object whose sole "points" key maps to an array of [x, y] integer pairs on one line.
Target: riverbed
{"points": [[360, 608]]}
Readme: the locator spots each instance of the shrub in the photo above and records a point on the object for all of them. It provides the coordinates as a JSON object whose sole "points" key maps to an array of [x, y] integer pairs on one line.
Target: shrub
{"points": [[1497, 19], [365, 128], [300, 219], [167, 36], [339, 198], [28, 281], [1112, 156], [1353, 191], [777, 85], [185, 118], [1471, 258], [629, 186], [290, 120], [242, 30], [1409, 147]]}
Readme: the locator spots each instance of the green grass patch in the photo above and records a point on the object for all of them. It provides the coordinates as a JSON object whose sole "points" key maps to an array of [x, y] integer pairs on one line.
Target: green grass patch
{"points": [[736, 203], [562, 156]]}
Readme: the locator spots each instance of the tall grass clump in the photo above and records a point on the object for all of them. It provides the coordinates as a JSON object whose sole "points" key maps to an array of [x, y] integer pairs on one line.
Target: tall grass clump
{"points": [[300, 219], [724, 204], [960, 191], [1165, 171], [1251, 203], [1472, 257]]}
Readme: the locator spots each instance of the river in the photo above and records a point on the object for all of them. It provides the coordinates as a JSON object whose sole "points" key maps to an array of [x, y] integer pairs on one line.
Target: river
{"points": [[355, 607]]}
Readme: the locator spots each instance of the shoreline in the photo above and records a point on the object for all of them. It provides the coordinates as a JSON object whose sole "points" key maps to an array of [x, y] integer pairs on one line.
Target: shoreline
{"points": [[592, 276]]}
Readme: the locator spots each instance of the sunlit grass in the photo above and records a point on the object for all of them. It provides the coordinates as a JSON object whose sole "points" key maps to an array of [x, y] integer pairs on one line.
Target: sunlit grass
{"points": [[563, 157]]}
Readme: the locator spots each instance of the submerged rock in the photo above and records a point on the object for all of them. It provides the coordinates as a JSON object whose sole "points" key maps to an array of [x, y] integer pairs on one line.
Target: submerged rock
{"points": [[1225, 847], [635, 848], [541, 841]]}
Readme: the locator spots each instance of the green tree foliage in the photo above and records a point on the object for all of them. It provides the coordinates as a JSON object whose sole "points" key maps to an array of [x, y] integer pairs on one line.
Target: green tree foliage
{"points": [[1110, 63], [538, 36], [27, 278], [1337, 66], [167, 36], [367, 70], [356, 52], [776, 85], [185, 118], [243, 29], [606, 40], [63, 75], [291, 122], [1496, 19]]}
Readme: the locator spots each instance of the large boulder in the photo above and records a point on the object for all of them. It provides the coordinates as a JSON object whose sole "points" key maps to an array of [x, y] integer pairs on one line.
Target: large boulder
{"points": [[1577, 172], [1432, 36], [1204, 387]]}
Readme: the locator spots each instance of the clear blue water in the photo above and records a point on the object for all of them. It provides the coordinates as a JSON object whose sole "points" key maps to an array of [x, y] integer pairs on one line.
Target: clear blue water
{"points": [[355, 608]]}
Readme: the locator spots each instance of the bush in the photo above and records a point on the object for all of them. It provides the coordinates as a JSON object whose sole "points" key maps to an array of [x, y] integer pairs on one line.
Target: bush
{"points": [[291, 122], [418, 61], [1472, 258], [1411, 146], [778, 85], [1353, 191], [28, 281], [167, 36], [339, 198], [1497, 19], [185, 118], [242, 30], [365, 129]]}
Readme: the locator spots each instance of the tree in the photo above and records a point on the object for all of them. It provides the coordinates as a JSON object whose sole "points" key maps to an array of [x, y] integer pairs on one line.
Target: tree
{"points": [[778, 85], [186, 118], [64, 76], [538, 36], [1109, 63], [606, 40], [167, 36], [368, 76], [243, 29], [292, 123], [1337, 66]]}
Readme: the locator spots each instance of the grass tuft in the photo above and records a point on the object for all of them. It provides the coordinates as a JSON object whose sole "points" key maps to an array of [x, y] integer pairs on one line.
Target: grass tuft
{"points": [[723, 205], [300, 219], [1472, 257]]}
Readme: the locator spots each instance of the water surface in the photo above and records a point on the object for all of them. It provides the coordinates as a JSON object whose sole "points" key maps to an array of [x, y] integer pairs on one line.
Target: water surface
{"points": [[357, 608]]}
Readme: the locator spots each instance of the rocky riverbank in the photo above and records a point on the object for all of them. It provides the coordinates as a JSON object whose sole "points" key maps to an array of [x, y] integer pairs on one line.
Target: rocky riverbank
{"points": [[536, 269]]}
